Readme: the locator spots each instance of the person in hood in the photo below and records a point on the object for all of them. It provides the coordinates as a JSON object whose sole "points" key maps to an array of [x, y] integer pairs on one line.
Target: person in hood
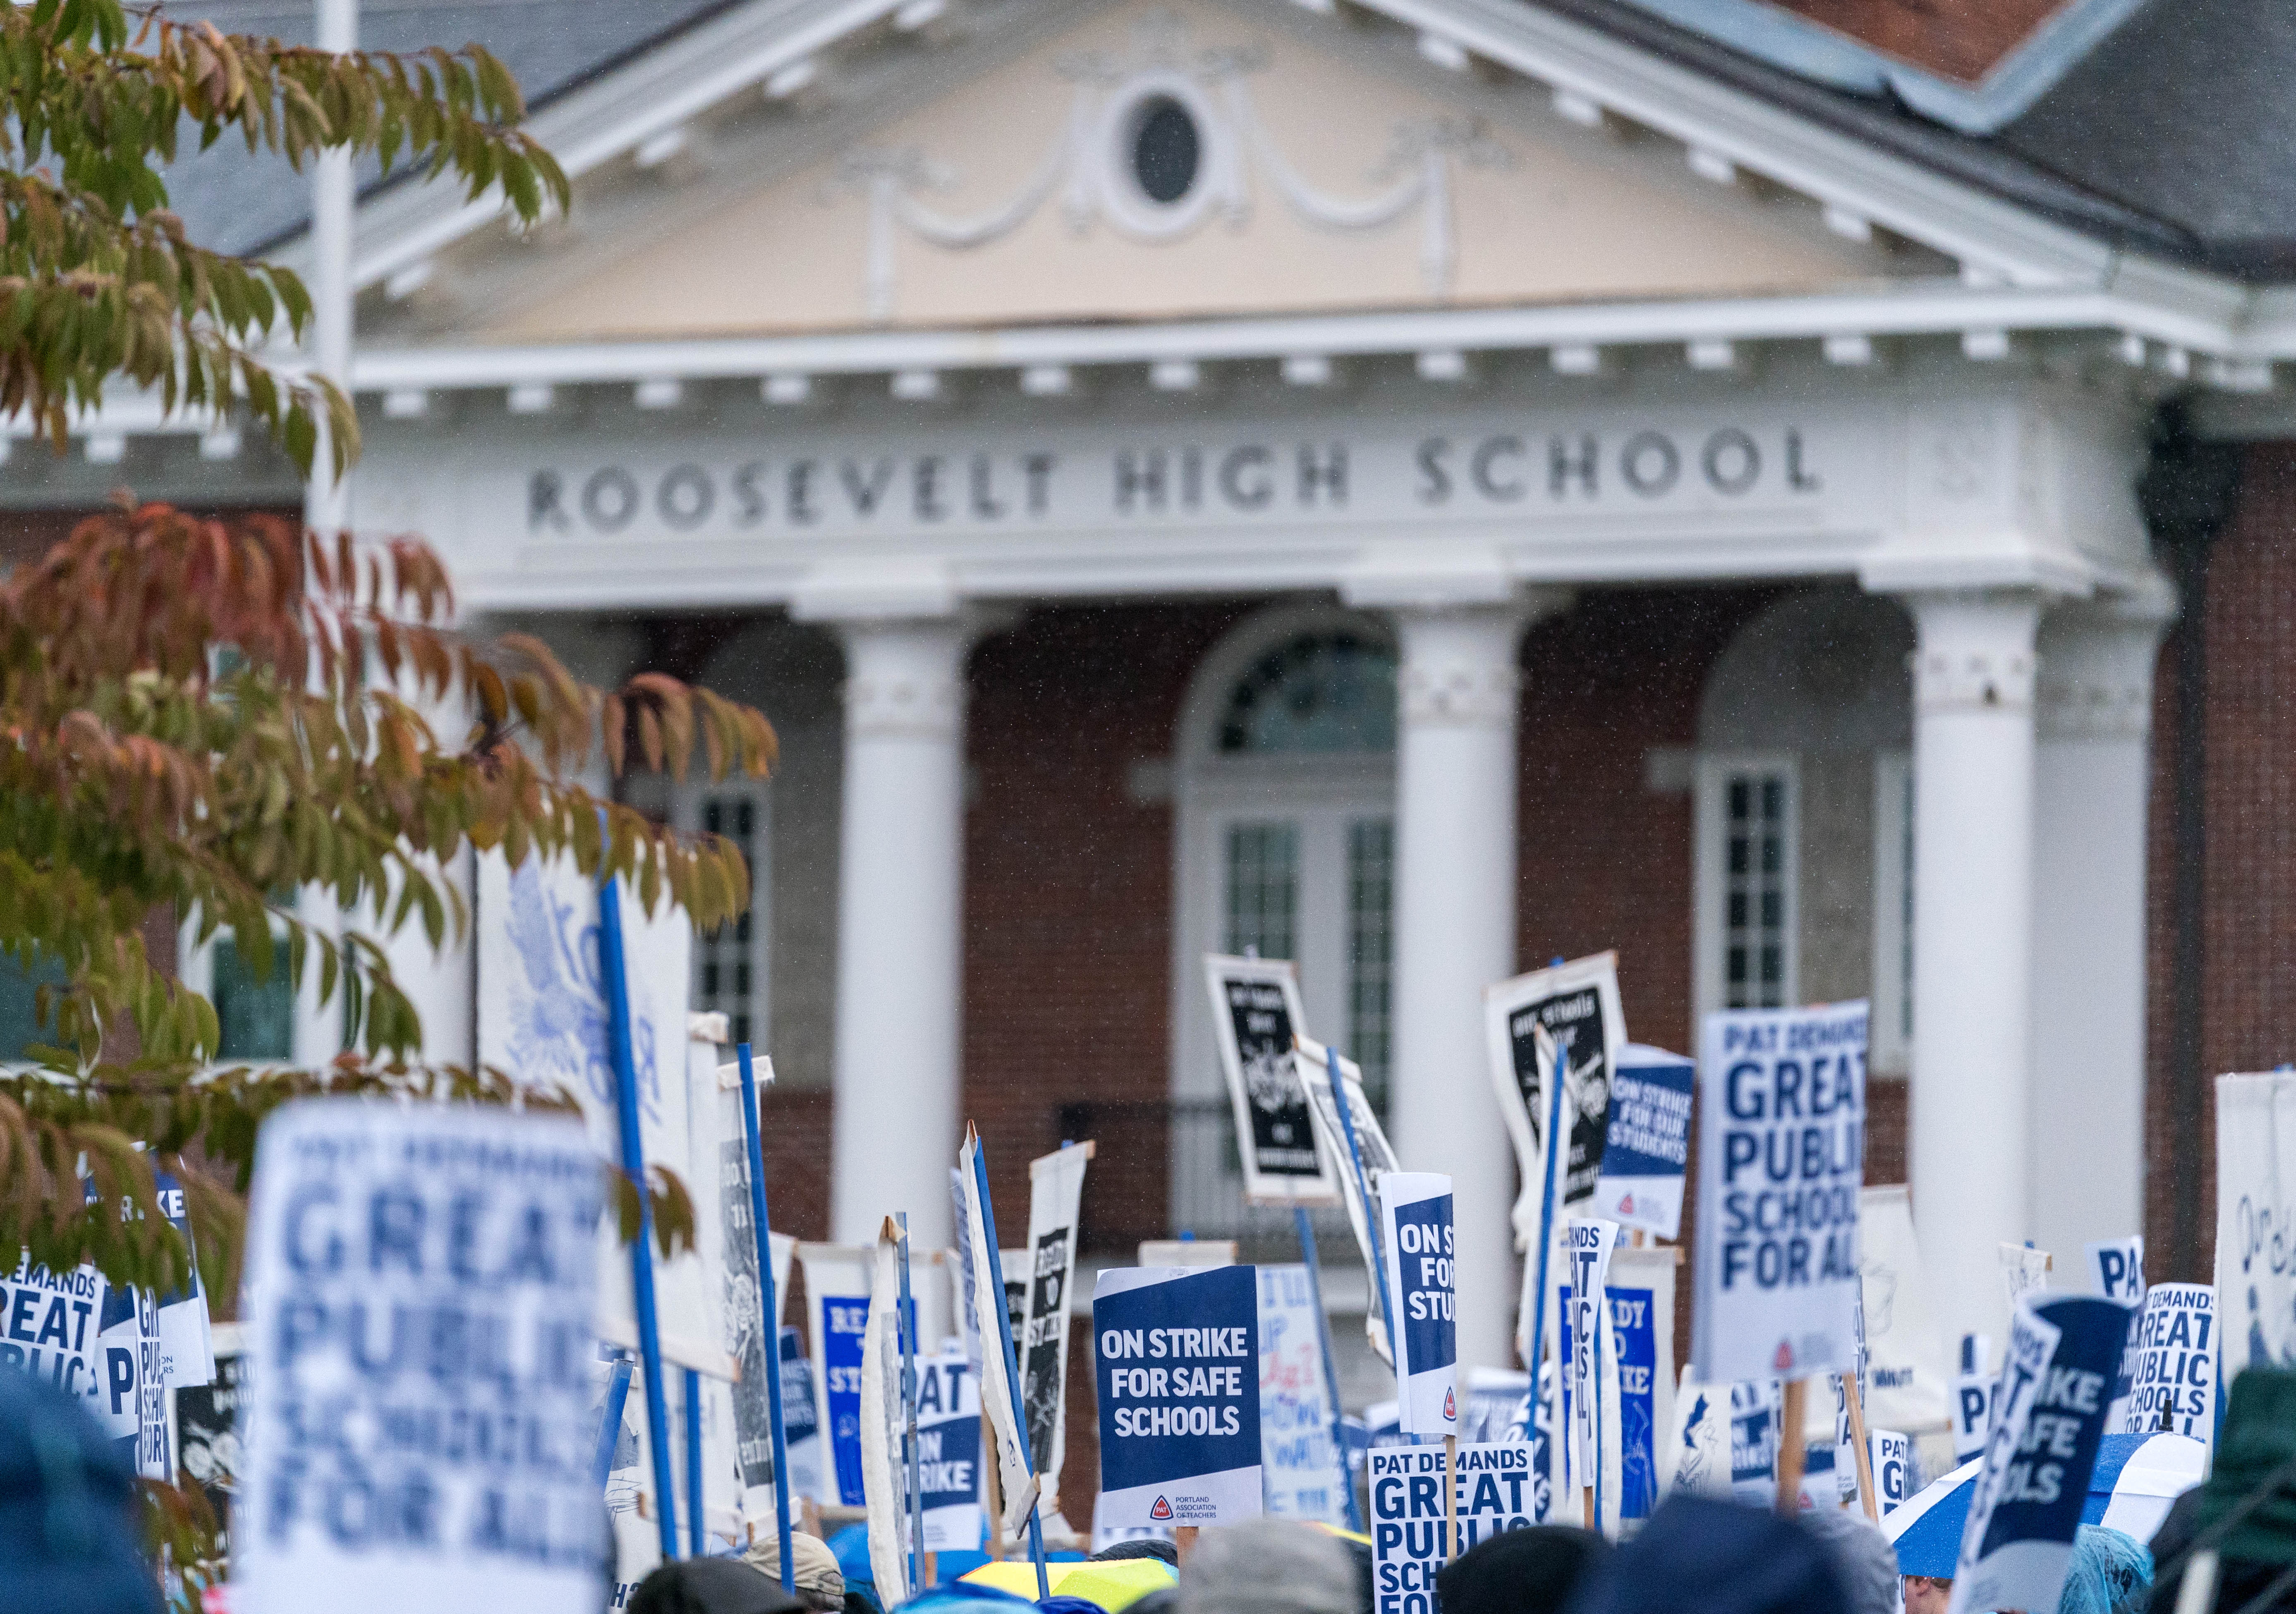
{"points": [[68, 1509], [710, 1585], [1716, 1558], [1526, 1571]]}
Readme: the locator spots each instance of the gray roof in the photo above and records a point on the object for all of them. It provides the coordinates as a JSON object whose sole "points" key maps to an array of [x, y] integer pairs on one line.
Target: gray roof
{"points": [[240, 204], [2171, 136]]}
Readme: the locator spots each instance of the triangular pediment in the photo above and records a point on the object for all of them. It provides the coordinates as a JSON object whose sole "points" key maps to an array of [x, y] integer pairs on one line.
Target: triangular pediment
{"points": [[1147, 162]]}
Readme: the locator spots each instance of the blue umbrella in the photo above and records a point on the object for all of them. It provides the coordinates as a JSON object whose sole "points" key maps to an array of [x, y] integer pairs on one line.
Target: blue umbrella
{"points": [[1927, 1529], [2137, 1477]]}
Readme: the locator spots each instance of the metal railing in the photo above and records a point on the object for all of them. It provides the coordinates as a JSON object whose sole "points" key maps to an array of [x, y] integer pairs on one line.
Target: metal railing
{"points": [[1167, 1166]]}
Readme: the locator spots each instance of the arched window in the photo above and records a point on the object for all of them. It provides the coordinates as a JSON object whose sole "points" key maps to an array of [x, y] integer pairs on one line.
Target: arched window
{"points": [[1319, 694], [1286, 786]]}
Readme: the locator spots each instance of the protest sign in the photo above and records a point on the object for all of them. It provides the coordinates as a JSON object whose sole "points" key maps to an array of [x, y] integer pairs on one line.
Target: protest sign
{"points": [[1577, 1004], [187, 1350], [2256, 1222], [837, 1307], [2174, 1387], [1492, 1487], [542, 1017], [49, 1328], [209, 1446], [801, 1419], [948, 1451], [1300, 1465], [424, 1275], [1754, 1437], [1646, 1145], [1055, 1201], [1976, 1397], [1782, 1131], [2116, 1272], [2024, 1270], [1313, 1063], [1491, 1406], [1641, 1323], [1256, 1015], [1892, 1455], [1017, 1484], [1908, 1373], [1589, 1242], [2056, 1383], [1422, 1277], [1697, 1457], [1176, 1362], [884, 1417]]}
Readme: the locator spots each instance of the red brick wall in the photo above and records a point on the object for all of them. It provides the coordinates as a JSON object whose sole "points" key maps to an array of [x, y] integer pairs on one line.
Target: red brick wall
{"points": [[1956, 38], [2249, 905]]}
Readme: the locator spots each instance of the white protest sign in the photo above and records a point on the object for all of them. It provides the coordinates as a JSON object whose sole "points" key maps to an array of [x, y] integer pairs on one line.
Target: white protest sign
{"points": [[543, 1015], [1782, 1130], [1422, 1275], [1256, 1016], [2024, 1270], [1056, 1203], [1493, 1490], [1647, 1143], [2026, 1505], [1976, 1395], [1909, 1372], [1577, 1004], [1177, 1360], [884, 1472], [1892, 1455], [1313, 1062], [186, 1345], [2175, 1385], [2256, 1221], [837, 1278], [49, 1328], [1589, 1241], [1697, 1458], [412, 1272], [1017, 1483], [948, 1451], [2116, 1272], [1300, 1467], [1754, 1411]]}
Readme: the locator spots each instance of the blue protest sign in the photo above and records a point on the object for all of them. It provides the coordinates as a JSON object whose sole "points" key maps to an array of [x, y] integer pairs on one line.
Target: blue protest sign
{"points": [[1422, 1275], [2056, 1387], [1633, 1325], [1176, 1360], [1781, 1159], [845, 1322], [1648, 1141]]}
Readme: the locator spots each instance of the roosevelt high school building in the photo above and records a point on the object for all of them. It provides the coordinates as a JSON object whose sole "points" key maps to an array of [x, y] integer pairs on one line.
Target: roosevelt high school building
{"points": [[1797, 493]]}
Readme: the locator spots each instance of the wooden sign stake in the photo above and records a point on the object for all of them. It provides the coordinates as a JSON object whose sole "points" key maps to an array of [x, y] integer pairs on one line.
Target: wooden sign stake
{"points": [[1451, 1497], [1792, 1415], [1864, 1449]]}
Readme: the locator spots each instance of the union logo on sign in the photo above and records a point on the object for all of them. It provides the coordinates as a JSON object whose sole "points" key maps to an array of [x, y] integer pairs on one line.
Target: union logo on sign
{"points": [[1450, 1406], [1784, 1359], [1627, 1206], [1162, 1510]]}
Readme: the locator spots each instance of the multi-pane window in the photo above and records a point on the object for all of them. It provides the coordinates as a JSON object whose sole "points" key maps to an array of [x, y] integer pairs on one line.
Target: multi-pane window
{"points": [[21, 1024], [1371, 949], [1263, 889], [1756, 900], [255, 1017], [728, 967], [1748, 868]]}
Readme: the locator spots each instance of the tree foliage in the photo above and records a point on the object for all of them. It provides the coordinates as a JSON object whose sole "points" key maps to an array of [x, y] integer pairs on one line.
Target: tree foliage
{"points": [[97, 280]]}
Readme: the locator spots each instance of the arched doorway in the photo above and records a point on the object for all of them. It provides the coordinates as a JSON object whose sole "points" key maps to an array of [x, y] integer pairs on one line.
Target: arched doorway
{"points": [[1804, 866]]}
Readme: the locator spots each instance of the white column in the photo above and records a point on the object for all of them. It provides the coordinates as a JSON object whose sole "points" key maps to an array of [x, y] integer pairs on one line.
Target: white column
{"points": [[1972, 943], [899, 957], [2092, 780], [1455, 786]]}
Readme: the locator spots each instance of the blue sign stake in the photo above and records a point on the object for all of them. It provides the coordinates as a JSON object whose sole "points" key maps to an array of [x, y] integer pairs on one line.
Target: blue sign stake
{"points": [[1307, 1227], [751, 1128]]}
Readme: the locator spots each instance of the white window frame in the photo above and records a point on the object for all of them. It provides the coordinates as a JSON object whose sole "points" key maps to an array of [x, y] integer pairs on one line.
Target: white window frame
{"points": [[1891, 1050], [686, 809], [318, 1034], [1714, 770]]}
